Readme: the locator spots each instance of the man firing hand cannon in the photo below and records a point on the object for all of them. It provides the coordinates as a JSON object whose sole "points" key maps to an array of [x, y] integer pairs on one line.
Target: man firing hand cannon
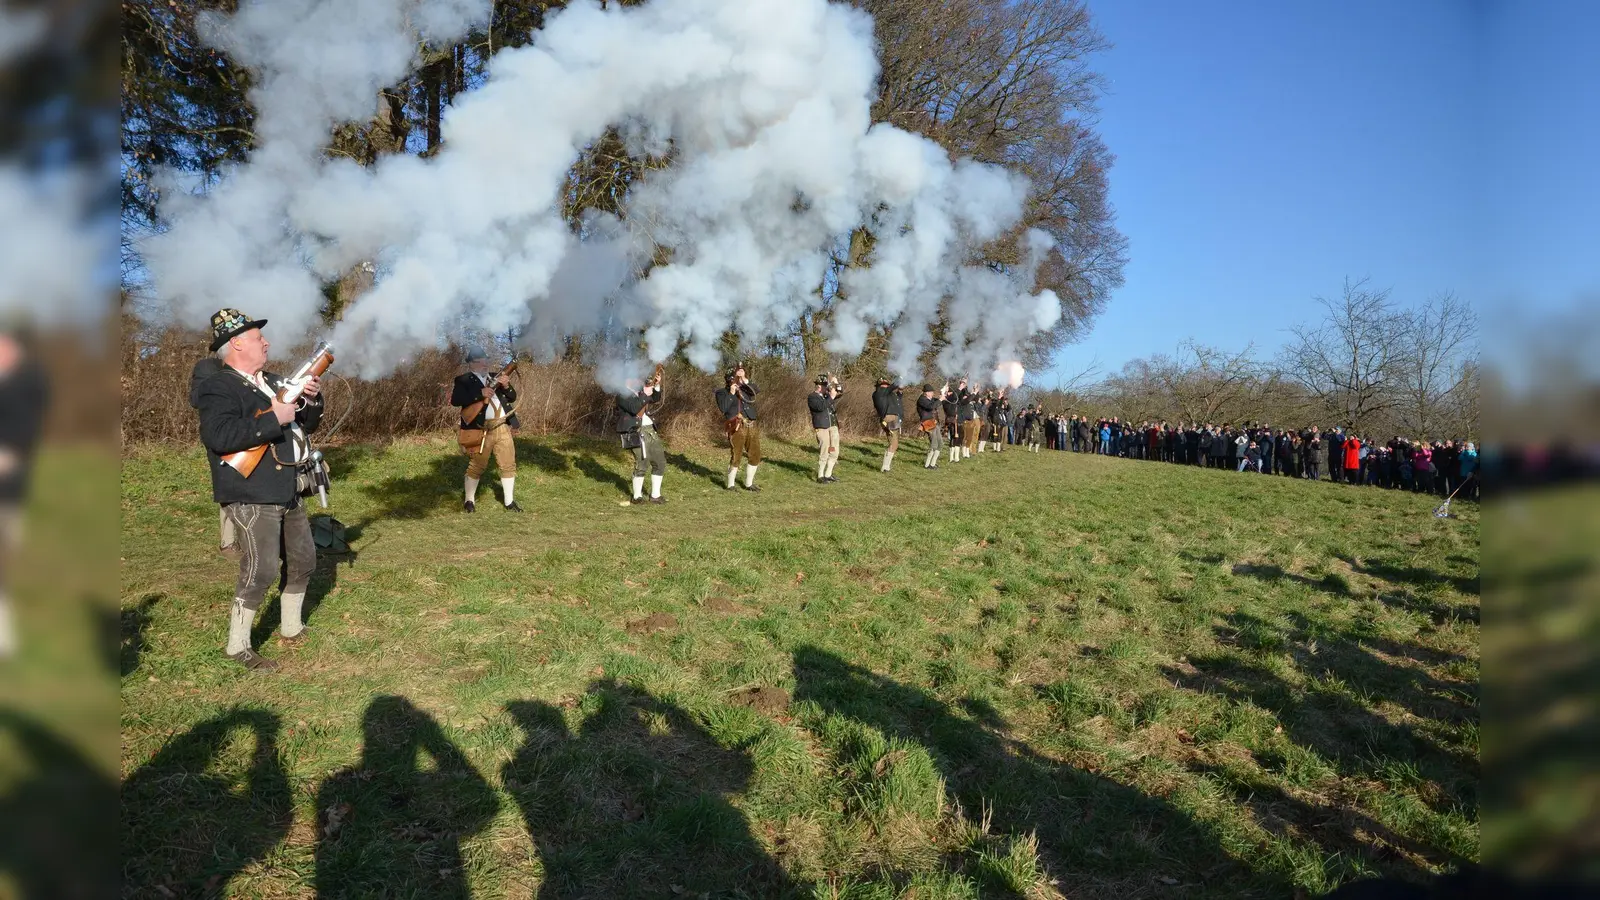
{"points": [[240, 414]]}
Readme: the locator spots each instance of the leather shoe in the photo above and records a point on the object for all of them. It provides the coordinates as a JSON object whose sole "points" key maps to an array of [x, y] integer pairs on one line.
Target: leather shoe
{"points": [[469, 506], [253, 661]]}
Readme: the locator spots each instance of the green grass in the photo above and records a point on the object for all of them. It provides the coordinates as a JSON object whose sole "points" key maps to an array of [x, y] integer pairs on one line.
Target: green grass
{"points": [[1024, 675]]}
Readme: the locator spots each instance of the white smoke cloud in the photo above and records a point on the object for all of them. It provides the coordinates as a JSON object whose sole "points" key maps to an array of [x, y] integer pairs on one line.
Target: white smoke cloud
{"points": [[765, 106]]}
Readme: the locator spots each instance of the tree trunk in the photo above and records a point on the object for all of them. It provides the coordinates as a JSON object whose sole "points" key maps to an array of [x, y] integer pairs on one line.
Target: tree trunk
{"points": [[813, 346], [433, 91]]}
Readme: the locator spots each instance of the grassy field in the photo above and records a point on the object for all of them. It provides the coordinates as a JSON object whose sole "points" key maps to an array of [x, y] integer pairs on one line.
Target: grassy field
{"points": [[1023, 675]]}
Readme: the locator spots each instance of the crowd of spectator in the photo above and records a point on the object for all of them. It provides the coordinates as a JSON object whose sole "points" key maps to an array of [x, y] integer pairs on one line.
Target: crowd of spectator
{"points": [[1432, 467]]}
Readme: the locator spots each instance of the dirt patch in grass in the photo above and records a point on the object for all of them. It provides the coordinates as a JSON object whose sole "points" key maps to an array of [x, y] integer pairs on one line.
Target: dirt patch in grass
{"points": [[653, 623], [765, 700], [722, 606]]}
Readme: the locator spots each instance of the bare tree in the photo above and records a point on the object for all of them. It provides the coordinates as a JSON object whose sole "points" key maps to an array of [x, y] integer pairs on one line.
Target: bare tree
{"points": [[1207, 384], [1436, 360], [1348, 361]]}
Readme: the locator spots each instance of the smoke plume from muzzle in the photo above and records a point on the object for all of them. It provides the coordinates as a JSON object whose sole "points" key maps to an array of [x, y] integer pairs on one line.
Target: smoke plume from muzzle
{"points": [[762, 110]]}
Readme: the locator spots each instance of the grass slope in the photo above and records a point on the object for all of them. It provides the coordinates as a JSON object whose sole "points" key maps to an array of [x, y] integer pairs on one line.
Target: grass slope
{"points": [[1023, 675]]}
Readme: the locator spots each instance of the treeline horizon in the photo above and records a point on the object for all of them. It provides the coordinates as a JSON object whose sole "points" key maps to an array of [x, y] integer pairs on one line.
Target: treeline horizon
{"points": [[1368, 366]]}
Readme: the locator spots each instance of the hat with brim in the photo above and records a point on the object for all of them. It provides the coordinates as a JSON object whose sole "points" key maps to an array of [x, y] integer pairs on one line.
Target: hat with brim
{"points": [[227, 324]]}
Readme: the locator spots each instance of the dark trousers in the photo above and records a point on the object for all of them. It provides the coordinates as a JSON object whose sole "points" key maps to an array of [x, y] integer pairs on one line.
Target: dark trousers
{"points": [[273, 541], [650, 457]]}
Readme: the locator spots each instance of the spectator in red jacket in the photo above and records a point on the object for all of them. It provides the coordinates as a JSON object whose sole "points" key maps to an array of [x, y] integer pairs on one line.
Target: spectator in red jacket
{"points": [[1352, 460]]}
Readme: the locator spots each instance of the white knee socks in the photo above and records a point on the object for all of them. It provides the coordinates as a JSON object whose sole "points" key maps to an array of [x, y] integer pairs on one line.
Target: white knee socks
{"points": [[239, 620], [290, 625], [506, 485], [638, 486], [655, 486], [888, 457], [472, 488], [733, 475], [749, 476]]}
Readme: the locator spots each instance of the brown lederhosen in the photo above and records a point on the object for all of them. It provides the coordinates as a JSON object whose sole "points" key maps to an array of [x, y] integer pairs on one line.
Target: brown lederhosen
{"points": [[891, 427], [746, 442], [496, 442]]}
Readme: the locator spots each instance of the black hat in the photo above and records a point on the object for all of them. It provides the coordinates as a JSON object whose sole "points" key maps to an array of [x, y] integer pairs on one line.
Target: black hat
{"points": [[927, 389], [227, 324], [822, 379]]}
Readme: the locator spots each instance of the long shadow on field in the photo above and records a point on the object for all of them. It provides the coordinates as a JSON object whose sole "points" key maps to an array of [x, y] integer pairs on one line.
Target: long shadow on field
{"points": [[608, 471], [1415, 576], [1324, 716], [684, 463], [389, 827], [344, 461], [131, 625], [541, 456], [436, 489], [193, 817], [1093, 833], [636, 802]]}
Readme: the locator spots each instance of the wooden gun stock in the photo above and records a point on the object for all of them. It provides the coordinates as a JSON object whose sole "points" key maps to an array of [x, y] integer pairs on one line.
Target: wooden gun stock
{"points": [[245, 461]]}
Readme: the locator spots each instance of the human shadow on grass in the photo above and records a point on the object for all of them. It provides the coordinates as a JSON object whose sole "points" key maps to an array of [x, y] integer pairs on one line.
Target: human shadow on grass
{"points": [[193, 817], [1346, 836], [1091, 830], [1272, 574], [344, 461], [1414, 576], [132, 623], [605, 466], [685, 464], [390, 827], [1356, 740], [538, 454], [435, 489], [636, 802]]}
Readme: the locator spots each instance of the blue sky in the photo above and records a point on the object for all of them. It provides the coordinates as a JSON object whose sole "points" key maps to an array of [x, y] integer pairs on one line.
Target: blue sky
{"points": [[1265, 150]]}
